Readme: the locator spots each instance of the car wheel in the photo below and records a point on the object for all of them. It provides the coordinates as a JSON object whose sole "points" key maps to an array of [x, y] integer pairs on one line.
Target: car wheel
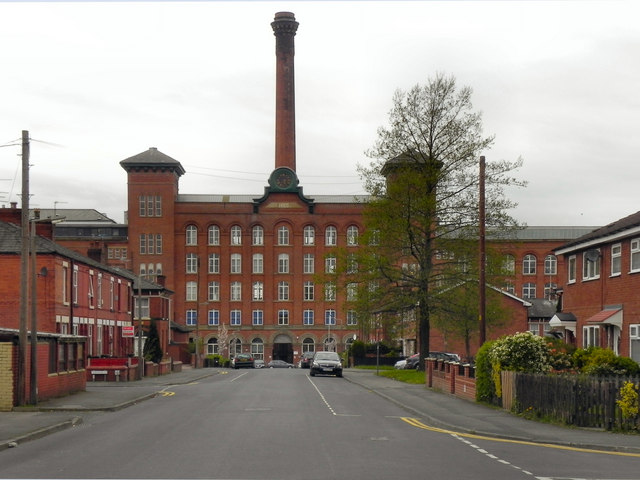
{"points": [[339, 375], [312, 374]]}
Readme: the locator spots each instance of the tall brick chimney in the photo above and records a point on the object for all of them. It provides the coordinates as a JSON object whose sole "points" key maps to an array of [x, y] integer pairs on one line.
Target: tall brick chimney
{"points": [[284, 28]]}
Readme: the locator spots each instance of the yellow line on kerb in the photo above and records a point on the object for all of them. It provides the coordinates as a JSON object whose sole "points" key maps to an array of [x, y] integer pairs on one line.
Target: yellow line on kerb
{"points": [[417, 423]]}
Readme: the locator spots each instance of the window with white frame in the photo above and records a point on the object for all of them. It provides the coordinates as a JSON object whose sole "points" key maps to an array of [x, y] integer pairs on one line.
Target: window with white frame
{"points": [[283, 235], [257, 348], [308, 345], [509, 264], [235, 346], [591, 336], [213, 317], [330, 264], [214, 235], [308, 263], [212, 346], [529, 290], [283, 291], [236, 235], [308, 291], [550, 290], [257, 317], [143, 244], [283, 263], [283, 317], [235, 317], [330, 317], [571, 269], [635, 255], [352, 292], [214, 263], [236, 291], [192, 291], [258, 263], [257, 235], [330, 292], [352, 318], [236, 263], [214, 292], [550, 265], [191, 235], [352, 236], [257, 292], [100, 298], [309, 235], [192, 317], [616, 259], [150, 244], [529, 265], [141, 304], [634, 340], [591, 264], [331, 236], [91, 292], [192, 263], [307, 317], [352, 263]]}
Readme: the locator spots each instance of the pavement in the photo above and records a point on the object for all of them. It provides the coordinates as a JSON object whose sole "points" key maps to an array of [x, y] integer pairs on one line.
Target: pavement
{"points": [[431, 408]]}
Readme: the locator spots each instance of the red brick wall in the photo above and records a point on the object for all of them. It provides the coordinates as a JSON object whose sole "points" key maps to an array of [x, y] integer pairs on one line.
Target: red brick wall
{"points": [[50, 385]]}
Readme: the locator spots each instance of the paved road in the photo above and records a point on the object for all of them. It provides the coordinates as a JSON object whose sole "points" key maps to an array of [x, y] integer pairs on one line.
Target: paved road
{"points": [[253, 424]]}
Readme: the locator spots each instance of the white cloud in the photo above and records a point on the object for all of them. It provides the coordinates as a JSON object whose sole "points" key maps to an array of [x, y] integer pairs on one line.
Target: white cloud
{"points": [[556, 82]]}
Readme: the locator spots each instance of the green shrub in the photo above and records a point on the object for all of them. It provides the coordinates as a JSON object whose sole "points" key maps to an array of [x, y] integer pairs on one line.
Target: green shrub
{"points": [[560, 355], [522, 352], [603, 362], [485, 387], [628, 400], [358, 349]]}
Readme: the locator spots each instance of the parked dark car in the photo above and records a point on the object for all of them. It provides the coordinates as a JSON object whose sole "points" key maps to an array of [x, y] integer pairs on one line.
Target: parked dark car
{"points": [[449, 357], [412, 361], [305, 360], [242, 360], [279, 364], [326, 363]]}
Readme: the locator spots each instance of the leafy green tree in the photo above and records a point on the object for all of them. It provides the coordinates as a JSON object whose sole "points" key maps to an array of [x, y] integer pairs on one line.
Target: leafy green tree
{"points": [[422, 215], [458, 315], [152, 350]]}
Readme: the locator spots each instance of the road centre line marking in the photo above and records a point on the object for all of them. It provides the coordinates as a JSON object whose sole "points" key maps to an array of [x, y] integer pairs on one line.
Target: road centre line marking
{"points": [[239, 376], [322, 397], [418, 424]]}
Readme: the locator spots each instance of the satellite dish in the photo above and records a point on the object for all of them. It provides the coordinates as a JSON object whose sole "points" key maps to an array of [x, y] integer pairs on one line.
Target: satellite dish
{"points": [[592, 255]]}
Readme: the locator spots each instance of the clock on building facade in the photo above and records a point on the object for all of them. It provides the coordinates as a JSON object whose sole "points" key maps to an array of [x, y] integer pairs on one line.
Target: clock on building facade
{"points": [[283, 179]]}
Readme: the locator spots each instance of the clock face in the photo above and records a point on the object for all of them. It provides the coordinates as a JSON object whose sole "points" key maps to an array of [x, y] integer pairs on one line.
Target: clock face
{"points": [[284, 179]]}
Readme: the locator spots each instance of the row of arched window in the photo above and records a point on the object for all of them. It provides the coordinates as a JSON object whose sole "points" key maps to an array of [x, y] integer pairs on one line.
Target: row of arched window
{"points": [[283, 234], [530, 264]]}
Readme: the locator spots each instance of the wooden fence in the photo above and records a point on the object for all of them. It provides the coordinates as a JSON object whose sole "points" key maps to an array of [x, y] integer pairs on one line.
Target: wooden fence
{"points": [[583, 401]]}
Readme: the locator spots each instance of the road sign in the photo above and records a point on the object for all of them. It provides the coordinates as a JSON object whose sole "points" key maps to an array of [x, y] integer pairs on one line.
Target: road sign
{"points": [[128, 331]]}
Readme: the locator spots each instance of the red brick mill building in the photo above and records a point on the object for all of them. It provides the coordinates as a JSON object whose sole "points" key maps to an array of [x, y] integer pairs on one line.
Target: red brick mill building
{"points": [[243, 266]]}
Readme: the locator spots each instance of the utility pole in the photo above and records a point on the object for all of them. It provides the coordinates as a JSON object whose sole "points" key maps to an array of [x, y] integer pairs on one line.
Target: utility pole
{"points": [[24, 275], [483, 255], [33, 390]]}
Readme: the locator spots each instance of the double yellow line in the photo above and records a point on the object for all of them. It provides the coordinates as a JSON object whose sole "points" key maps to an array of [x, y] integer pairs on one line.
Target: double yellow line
{"points": [[418, 424]]}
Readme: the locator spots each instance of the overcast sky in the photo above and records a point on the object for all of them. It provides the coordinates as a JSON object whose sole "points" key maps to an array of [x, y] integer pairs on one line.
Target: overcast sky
{"points": [[95, 83]]}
